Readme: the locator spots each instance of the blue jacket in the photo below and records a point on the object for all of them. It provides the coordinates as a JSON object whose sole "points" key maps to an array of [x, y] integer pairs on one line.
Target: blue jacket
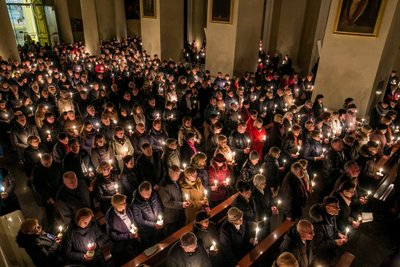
{"points": [[146, 212]]}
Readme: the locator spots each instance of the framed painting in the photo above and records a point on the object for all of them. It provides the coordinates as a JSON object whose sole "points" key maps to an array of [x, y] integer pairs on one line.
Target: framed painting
{"points": [[359, 17], [149, 8], [221, 11]]}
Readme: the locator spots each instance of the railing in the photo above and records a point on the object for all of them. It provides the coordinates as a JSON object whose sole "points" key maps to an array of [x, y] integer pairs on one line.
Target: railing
{"points": [[216, 214], [266, 245]]}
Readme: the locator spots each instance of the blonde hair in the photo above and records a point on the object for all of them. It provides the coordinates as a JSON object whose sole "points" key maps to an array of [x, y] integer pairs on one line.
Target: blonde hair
{"points": [[189, 171], [117, 200], [286, 259], [103, 166]]}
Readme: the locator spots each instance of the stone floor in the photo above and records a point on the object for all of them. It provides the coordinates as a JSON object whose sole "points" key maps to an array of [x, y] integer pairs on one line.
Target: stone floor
{"points": [[370, 244]]}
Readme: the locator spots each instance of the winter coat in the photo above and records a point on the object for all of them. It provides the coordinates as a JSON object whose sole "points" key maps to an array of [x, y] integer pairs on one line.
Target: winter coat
{"points": [[184, 131], [302, 251], [238, 143], [271, 168], [158, 139], [46, 181], [258, 138], [171, 197], [42, 248], [196, 195], [248, 209], [187, 152], [31, 157], [170, 157], [59, 152], [294, 196], [326, 233], [146, 212], [234, 243], [101, 154], [178, 258], [19, 134], [68, 201], [79, 163], [218, 174], [150, 168], [106, 188], [75, 241], [249, 170]]}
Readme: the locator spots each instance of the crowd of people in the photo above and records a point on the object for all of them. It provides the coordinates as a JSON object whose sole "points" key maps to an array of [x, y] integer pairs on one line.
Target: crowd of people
{"points": [[155, 144]]}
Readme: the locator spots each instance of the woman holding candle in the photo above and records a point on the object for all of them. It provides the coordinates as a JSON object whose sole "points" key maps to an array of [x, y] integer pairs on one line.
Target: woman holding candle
{"points": [[121, 146], [33, 153], [189, 148], [87, 136], [107, 185], [225, 150], [258, 137], [42, 247], [218, 172], [8, 198], [251, 167], [101, 150], [272, 169], [83, 241], [122, 231], [245, 203], [199, 163], [193, 191], [291, 143]]}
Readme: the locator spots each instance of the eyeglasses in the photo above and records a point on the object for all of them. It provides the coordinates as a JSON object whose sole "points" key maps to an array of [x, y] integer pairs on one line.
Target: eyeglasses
{"points": [[334, 206]]}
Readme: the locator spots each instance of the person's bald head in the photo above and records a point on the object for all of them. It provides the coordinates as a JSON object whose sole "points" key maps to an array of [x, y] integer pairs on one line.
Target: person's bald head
{"points": [[305, 230]]}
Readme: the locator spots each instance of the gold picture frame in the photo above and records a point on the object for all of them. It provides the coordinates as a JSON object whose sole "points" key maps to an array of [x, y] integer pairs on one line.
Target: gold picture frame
{"points": [[149, 9], [359, 18], [219, 12]]}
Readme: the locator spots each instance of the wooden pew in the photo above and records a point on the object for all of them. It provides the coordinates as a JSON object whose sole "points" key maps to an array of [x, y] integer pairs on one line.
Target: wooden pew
{"points": [[262, 248], [345, 260], [217, 213]]}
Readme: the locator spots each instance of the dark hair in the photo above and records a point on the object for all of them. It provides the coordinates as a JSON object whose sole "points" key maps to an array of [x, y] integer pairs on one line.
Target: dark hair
{"points": [[242, 186], [329, 200], [346, 185]]}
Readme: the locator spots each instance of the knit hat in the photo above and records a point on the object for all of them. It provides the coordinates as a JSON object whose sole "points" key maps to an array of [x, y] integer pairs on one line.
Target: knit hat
{"points": [[219, 158], [234, 214], [201, 216]]}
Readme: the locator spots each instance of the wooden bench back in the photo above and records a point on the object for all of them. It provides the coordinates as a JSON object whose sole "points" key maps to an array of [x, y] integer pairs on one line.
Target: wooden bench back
{"points": [[160, 256], [262, 248]]}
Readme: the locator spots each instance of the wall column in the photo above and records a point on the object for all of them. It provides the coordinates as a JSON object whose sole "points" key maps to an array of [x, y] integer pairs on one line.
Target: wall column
{"points": [[163, 34], [120, 20], [232, 48], [357, 66], [105, 19], [90, 27], [64, 21], [8, 44]]}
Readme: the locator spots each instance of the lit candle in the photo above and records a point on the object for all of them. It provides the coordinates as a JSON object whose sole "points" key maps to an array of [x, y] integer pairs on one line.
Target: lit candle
{"points": [[59, 235], [216, 183], [360, 218], [227, 181], [110, 161], [3, 192], [40, 155], [279, 202], [187, 197], [380, 172], [347, 231], [133, 229], [90, 169], [213, 246], [248, 141], [184, 165], [368, 193], [160, 220], [205, 194], [298, 150], [90, 250], [257, 230], [116, 188], [261, 171]]}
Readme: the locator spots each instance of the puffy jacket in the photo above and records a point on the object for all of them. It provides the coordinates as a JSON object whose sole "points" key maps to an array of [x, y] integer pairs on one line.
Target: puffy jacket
{"points": [[19, 134]]}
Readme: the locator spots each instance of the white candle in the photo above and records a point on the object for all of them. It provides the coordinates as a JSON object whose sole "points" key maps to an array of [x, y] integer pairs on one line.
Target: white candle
{"points": [[40, 155], [187, 197], [227, 181], [347, 231], [59, 235], [184, 165], [116, 188], [160, 220], [257, 230], [215, 182], [133, 229], [213, 246]]}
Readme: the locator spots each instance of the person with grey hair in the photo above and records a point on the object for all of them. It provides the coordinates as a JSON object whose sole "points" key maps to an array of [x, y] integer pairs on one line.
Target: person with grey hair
{"points": [[293, 193], [251, 167], [187, 252]]}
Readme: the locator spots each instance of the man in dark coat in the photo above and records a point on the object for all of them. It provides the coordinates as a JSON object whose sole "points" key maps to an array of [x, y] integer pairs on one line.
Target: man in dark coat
{"points": [[188, 253], [239, 142], [171, 198], [122, 231], [327, 237], [46, 181], [235, 239], [293, 193], [314, 153], [147, 210], [78, 161], [298, 242], [72, 196], [245, 203], [20, 131], [149, 166]]}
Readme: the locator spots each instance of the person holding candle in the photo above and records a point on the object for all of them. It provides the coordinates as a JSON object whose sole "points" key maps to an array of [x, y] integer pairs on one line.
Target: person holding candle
{"points": [[87, 136], [78, 161], [149, 166], [185, 129], [273, 169], [171, 155], [187, 252], [72, 124], [158, 136], [298, 241], [251, 167], [50, 130], [258, 137], [121, 146], [193, 190], [206, 232], [146, 208], [275, 133], [83, 241], [8, 198], [225, 150], [42, 247], [189, 147], [235, 240], [33, 153], [293, 192], [199, 162], [122, 231], [327, 236], [101, 150], [313, 152], [173, 202], [218, 171], [107, 185], [290, 144], [61, 148], [46, 181], [238, 143], [245, 203]]}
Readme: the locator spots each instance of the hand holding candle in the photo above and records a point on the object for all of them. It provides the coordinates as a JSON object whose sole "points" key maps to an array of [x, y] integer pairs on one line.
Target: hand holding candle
{"points": [[60, 234], [160, 220], [90, 250]]}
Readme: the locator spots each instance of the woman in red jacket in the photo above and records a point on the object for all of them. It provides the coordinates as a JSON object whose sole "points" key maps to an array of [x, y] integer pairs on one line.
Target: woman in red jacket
{"points": [[219, 179], [258, 136]]}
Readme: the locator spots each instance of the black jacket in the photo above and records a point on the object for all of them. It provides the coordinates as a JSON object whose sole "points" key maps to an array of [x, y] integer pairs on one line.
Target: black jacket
{"points": [[234, 243], [19, 134], [178, 258], [293, 244], [238, 143], [293, 195], [75, 241], [31, 157], [100, 154], [105, 189], [271, 168], [69, 201], [42, 248], [171, 198], [247, 207], [78, 163], [150, 169], [46, 181], [326, 233]]}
